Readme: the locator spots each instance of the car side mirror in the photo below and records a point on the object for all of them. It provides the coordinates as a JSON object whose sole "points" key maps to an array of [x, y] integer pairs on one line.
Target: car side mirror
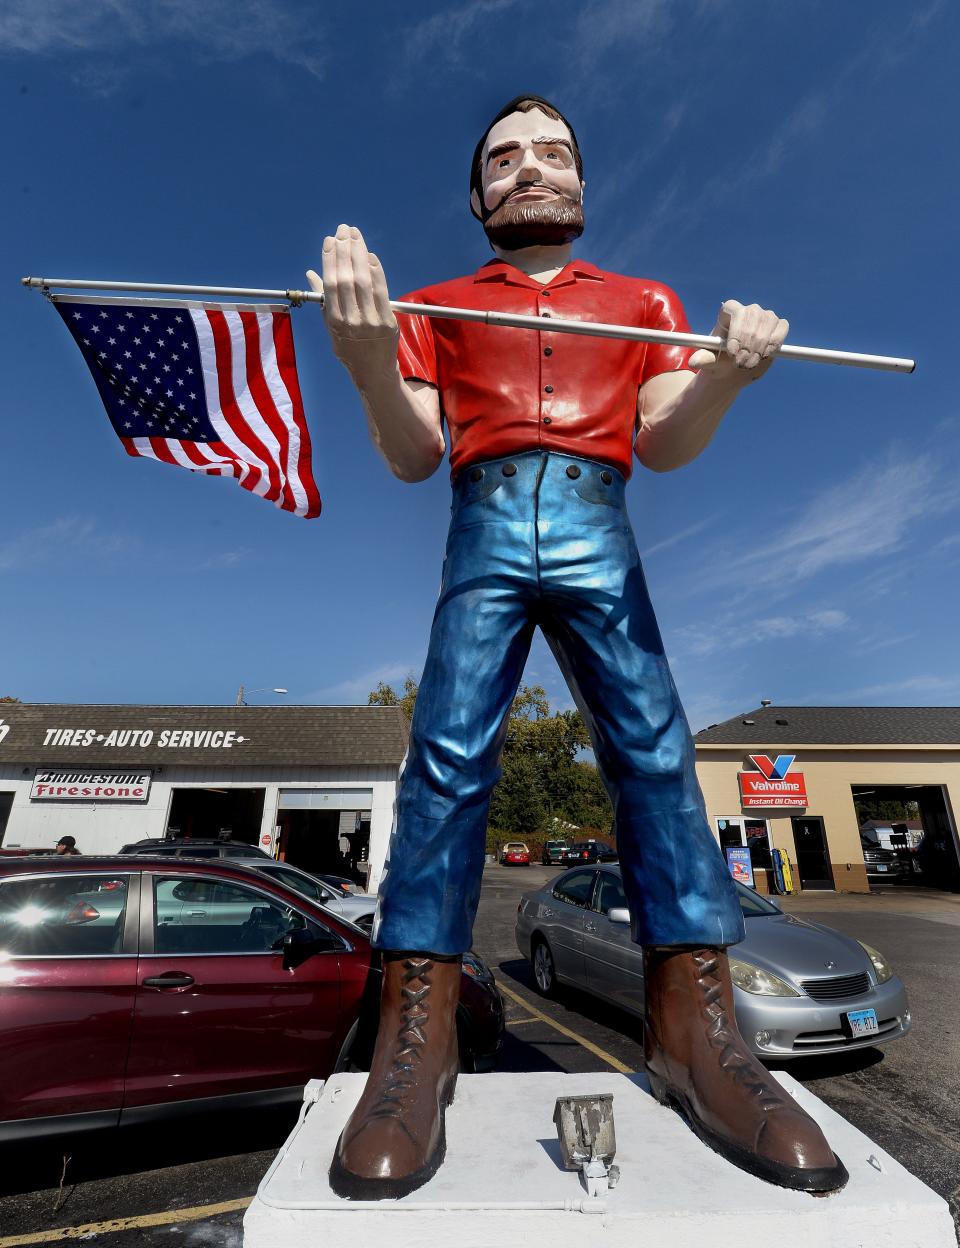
{"points": [[618, 914], [299, 944]]}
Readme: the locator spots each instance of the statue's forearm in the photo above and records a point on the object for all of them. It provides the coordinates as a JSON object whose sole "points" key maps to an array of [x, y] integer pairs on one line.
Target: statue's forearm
{"points": [[404, 421], [677, 424]]}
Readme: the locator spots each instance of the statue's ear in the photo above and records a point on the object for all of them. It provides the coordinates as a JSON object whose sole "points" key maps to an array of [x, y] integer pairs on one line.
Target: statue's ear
{"points": [[475, 205]]}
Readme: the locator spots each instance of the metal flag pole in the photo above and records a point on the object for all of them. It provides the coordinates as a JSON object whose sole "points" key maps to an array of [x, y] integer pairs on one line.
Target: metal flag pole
{"points": [[510, 320]]}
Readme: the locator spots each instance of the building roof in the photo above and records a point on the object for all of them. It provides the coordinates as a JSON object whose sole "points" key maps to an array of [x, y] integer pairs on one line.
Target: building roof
{"points": [[838, 725], [87, 737]]}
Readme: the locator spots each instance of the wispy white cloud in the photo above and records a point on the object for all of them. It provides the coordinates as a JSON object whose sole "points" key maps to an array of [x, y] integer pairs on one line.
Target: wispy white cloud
{"points": [[869, 515], [215, 29], [354, 689], [924, 686], [441, 37], [227, 559], [734, 632], [684, 204], [46, 545], [675, 538]]}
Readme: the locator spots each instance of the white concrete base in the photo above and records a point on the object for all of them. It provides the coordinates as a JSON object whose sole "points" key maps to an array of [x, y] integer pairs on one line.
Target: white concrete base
{"points": [[502, 1185]]}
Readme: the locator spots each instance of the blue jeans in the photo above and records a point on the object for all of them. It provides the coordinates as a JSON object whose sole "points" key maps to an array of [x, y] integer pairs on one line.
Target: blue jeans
{"points": [[543, 539]]}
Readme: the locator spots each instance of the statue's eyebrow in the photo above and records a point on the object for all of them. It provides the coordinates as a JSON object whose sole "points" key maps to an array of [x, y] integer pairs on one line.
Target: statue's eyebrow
{"points": [[502, 148]]}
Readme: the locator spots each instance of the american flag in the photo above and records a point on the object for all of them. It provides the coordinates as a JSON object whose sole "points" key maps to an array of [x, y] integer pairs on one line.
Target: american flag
{"points": [[211, 387]]}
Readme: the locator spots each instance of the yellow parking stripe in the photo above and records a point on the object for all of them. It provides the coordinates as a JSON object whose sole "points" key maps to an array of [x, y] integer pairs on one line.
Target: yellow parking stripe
{"points": [[168, 1218], [564, 1031]]}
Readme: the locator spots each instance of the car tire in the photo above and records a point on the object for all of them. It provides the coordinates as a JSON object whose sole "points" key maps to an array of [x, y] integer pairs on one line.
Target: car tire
{"points": [[544, 968]]}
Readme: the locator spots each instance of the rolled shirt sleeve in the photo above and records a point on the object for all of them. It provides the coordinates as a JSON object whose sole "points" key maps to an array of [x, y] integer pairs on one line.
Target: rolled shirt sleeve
{"points": [[663, 311], [416, 351]]}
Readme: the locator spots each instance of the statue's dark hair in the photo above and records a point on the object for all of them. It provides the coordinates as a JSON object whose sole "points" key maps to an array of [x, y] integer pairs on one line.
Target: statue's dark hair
{"points": [[520, 104]]}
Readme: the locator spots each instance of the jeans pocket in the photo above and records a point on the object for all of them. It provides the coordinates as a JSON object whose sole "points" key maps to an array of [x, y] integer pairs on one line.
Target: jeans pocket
{"points": [[596, 492]]}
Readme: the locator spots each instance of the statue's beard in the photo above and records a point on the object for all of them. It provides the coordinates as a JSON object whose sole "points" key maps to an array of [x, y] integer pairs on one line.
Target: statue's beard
{"points": [[535, 223]]}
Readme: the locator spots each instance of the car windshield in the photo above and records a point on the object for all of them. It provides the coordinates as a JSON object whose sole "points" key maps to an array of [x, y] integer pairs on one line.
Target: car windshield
{"points": [[752, 904], [301, 884]]}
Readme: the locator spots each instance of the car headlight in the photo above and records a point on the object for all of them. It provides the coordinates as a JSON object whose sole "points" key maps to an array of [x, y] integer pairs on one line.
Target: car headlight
{"points": [[759, 982], [476, 969], [880, 964]]}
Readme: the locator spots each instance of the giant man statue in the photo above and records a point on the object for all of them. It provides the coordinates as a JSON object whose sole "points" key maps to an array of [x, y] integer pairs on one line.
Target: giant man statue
{"points": [[542, 429]]}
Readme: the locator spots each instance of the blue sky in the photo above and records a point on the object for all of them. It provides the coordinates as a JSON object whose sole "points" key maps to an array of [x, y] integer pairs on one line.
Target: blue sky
{"points": [[800, 155]]}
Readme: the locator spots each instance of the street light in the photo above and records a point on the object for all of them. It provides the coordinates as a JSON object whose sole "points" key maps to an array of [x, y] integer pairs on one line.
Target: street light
{"points": [[241, 693]]}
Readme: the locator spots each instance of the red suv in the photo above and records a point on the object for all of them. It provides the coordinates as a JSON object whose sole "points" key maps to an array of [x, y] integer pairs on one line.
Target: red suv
{"points": [[132, 988]]}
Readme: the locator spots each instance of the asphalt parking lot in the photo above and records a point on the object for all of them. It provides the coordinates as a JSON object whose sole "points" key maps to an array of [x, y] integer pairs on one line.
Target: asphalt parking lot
{"points": [[190, 1184]]}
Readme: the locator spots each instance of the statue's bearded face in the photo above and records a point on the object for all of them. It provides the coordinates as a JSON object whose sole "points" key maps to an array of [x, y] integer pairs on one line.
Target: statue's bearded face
{"points": [[532, 195]]}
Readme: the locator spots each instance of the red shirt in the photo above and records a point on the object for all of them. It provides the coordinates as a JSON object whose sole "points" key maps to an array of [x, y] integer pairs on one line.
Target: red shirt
{"points": [[504, 391]]}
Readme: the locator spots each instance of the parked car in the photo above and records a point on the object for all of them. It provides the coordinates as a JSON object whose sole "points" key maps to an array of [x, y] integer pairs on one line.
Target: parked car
{"points": [[357, 907], [515, 854], [883, 865], [339, 882], [799, 988], [589, 851], [136, 988], [193, 847], [553, 852]]}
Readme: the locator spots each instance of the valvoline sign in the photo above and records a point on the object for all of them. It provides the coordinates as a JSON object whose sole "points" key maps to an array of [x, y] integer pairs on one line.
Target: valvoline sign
{"points": [[773, 783]]}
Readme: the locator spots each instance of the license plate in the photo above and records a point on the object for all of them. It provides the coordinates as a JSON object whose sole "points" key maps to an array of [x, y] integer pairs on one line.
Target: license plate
{"points": [[862, 1022], [881, 866]]}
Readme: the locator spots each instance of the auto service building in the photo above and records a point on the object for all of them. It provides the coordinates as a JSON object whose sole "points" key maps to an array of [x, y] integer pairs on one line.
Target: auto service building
{"points": [[792, 778], [315, 783]]}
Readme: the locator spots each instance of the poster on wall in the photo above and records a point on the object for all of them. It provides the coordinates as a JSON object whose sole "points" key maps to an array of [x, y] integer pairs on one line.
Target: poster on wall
{"points": [[741, 868]]}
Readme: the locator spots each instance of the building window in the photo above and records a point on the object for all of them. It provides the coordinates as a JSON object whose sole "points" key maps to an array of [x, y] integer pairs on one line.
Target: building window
{"points": [[737, 832]]}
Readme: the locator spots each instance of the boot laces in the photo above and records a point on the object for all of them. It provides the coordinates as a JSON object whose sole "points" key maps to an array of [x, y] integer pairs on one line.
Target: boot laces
{"points": [[410, 1039], [734, 1057]]}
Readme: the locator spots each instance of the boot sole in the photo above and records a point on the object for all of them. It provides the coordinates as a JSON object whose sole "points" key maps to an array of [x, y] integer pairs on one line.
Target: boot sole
{"points": [[823, 1181], [352, 1186]]}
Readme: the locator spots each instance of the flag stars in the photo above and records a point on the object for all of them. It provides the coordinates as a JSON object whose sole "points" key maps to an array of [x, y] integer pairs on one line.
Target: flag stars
{"points": [[130, 314], [151, 355], [76, 316], [178, 319], [127, 355], [166, 368], [104, 315], [169, 394], [143, 368], [137, 341], [192, 395], [154, 317], [94, 329], [189, 370]]}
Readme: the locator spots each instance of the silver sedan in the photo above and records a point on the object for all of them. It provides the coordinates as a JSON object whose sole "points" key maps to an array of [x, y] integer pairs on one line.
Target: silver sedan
{"points": [[799, 988]]}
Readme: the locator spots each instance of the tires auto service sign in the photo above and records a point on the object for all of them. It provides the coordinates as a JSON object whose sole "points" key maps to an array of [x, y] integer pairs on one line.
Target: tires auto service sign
{"points": [[90, 786], [773, 784]]}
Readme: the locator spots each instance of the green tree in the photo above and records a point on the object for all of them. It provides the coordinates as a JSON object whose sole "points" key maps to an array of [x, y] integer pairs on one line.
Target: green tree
{"points": [[386, 695], [885, 810], [545, 781]]}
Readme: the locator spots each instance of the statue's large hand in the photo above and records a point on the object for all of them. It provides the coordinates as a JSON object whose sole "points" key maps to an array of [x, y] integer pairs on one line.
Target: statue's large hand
{"points": [[754, 335], [356, 303]]}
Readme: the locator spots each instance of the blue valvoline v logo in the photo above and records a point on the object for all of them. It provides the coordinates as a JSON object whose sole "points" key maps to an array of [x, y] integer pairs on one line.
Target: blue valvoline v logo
{"points": [[773, 770]]}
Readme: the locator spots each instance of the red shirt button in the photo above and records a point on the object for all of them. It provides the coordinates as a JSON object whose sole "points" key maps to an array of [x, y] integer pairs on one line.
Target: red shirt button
{"points": [[548, 350], [548, 389], [547, 420]]}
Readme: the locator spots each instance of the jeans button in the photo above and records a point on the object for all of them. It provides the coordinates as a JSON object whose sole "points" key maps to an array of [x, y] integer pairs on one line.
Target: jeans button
{"points": [[509, 470], [606, 477], [573, 472], [476, 474]]}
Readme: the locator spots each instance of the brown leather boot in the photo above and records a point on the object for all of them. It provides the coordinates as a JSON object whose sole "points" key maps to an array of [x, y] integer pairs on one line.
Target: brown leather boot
{"points": [[698, 1063], [394, 1140]]}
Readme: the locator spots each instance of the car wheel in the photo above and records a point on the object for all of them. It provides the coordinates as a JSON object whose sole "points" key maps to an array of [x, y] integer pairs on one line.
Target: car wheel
{"points": [[544, 970]]}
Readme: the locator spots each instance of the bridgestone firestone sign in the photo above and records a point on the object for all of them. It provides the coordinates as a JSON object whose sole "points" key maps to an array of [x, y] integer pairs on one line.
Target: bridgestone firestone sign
{"points": [[91, 786]]}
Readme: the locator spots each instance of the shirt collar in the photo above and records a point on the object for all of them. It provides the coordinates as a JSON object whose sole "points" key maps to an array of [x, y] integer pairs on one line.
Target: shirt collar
{"points": [[502, 271]]}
